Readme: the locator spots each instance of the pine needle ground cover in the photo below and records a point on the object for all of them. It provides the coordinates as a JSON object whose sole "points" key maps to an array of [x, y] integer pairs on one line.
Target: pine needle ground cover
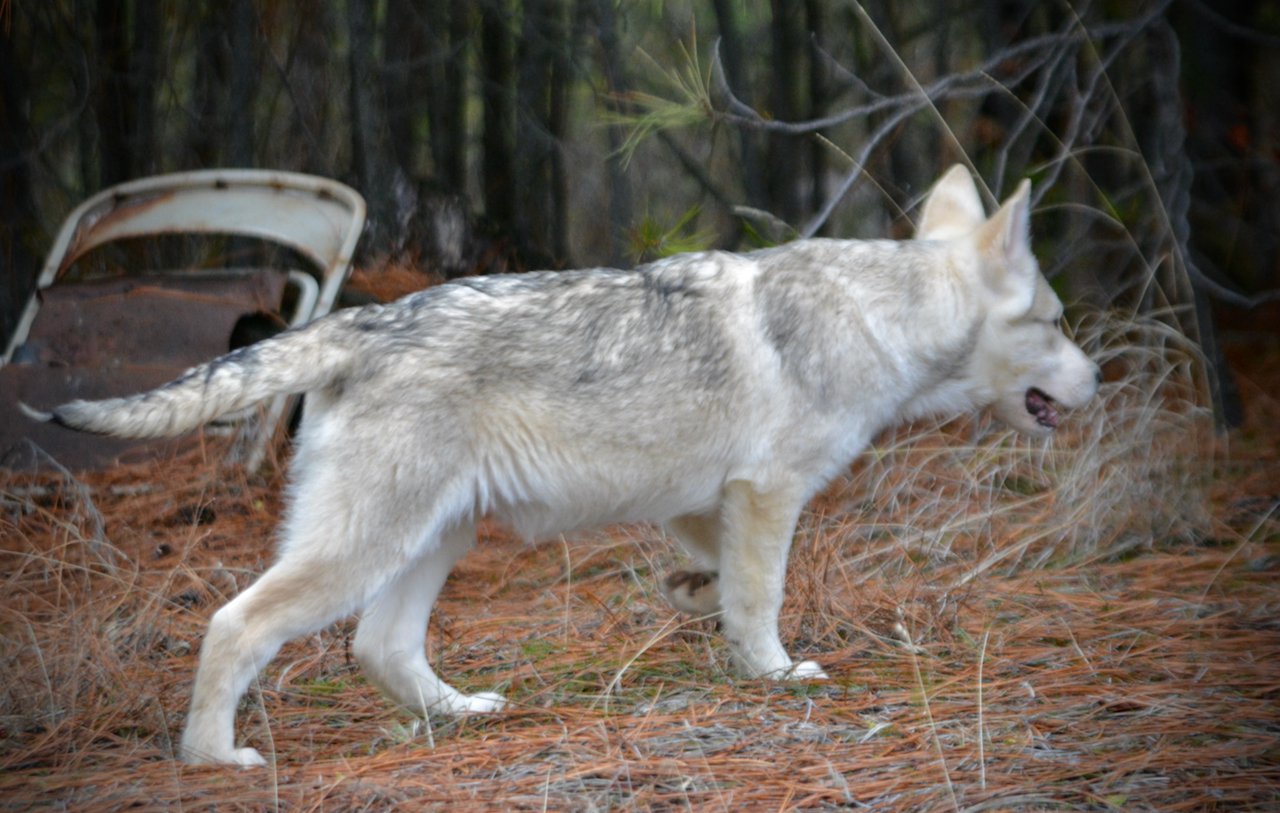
{"points": [[1092, 624]]}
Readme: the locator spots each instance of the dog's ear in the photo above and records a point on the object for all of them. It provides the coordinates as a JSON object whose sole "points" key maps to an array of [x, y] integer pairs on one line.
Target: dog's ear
{"points": [[952, 208], [1004, 244], [1006, 236]]}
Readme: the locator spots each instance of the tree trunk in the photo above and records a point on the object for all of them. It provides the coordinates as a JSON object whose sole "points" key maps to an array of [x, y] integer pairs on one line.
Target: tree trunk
{"points": [[498, 175], [540, 122], [616, 83], [446, 92], [818, 93], [785, 97], [144, 78], [238, 115], [210, 71], [532, 143], [405, 37], [371, 159], [17, 205], [558, 122], [112, 105], [753, 181]]}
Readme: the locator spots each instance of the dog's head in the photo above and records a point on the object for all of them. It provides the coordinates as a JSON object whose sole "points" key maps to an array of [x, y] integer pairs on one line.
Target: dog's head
{"points": [[1023, 366]]}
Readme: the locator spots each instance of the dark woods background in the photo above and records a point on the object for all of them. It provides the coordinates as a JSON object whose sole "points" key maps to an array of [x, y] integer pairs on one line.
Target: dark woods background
{"points": [[512, 134]]}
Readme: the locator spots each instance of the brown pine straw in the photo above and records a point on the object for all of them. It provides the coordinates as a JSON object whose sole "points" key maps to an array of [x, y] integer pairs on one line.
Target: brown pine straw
{"points": [[993, 645]]}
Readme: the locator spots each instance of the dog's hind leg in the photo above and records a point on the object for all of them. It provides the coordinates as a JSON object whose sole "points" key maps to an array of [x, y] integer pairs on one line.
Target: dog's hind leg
{"points": [[340, 549], [758, 526], [297, 596], [389, 640], [696, 592]]}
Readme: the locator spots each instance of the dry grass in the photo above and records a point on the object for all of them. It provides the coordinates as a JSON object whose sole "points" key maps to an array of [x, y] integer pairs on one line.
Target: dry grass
{"points": [[1068, 627]]}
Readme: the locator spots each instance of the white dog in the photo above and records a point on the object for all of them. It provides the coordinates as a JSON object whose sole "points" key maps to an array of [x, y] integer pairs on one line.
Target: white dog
{"points": [[712, 392]]}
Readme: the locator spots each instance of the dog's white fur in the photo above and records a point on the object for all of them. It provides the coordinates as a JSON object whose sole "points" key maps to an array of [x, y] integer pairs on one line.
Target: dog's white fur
{"points": [[713, 393]]}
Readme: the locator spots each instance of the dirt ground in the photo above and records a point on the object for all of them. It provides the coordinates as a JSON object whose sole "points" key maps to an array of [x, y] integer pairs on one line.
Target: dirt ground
{"points": [[1145, 680]]}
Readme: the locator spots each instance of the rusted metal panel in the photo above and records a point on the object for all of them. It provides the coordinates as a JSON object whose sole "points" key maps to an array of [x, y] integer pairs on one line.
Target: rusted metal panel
{"points": [[314, 226], [170, 320], [319, 218], [115, 337]]}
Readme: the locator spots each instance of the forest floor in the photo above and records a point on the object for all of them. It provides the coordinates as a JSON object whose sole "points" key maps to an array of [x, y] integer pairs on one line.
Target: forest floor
{"points": [[1144, 681]]}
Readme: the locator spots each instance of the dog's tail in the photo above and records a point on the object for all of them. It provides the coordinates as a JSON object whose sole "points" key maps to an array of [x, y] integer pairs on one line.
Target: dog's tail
{"points": [[304, 359]]}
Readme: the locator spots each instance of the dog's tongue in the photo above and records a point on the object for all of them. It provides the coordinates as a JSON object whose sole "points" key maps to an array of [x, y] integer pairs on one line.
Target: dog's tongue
{"points": [[1041, 406]]}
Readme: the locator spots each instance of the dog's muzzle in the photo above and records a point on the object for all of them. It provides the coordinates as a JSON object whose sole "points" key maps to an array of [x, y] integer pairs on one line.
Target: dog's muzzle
{"points": [[1041, 407]]}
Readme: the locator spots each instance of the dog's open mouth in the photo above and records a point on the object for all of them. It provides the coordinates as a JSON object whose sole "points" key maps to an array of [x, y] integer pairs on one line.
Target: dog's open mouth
{"points": [[1040, 405]]}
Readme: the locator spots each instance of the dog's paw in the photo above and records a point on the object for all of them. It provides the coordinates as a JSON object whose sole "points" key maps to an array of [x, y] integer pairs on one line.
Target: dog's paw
{"points": [[480, 703], [806, 670], [693, 591], [248, 758], [244, 757]]}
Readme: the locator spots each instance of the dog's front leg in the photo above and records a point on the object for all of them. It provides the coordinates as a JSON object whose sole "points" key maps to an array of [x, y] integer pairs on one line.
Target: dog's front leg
{"points": [[758, 526]]}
